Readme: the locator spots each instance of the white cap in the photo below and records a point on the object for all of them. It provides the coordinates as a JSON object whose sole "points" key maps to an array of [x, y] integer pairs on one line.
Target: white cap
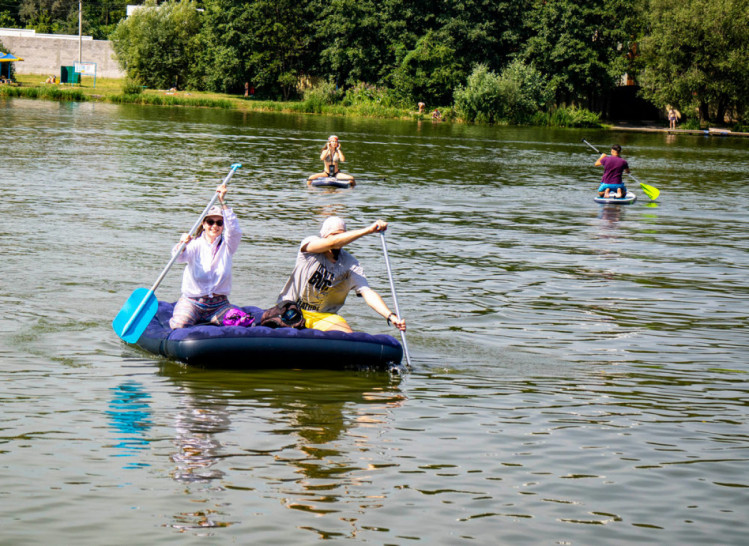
{"points": [[331, 225], [215, 210]]}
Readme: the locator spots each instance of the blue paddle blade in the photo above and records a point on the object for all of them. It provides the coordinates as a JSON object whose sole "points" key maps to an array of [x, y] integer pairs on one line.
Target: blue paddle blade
{"points": [[133, 318]]}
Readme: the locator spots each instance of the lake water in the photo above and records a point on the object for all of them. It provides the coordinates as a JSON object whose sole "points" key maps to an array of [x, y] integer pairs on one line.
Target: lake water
{"points": [[579, 371]]}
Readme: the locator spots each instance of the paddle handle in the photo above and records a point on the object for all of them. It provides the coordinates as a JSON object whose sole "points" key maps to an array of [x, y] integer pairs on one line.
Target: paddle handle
{"points": [[194, 228], [395, 297], [594, 148]]}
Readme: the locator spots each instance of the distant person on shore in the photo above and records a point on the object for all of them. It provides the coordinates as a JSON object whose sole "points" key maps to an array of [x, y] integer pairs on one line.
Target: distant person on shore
{"points": [[421, 107], [673, 116], [613, 168], [331, 156], [436, 115]]}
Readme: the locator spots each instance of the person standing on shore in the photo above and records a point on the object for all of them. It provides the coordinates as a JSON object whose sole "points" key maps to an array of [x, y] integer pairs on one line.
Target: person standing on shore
{"points": [[673, 115], [613, 168]]}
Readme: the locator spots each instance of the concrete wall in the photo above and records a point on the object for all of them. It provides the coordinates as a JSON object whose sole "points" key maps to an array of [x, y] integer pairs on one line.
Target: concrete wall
{"points": [[44, 54]]}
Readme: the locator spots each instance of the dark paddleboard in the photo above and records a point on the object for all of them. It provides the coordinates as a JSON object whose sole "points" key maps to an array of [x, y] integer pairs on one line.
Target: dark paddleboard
{"points": [[330, 182]]}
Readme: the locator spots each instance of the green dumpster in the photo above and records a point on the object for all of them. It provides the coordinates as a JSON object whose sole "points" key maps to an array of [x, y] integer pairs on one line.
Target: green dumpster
{"points": [[69, 75]]}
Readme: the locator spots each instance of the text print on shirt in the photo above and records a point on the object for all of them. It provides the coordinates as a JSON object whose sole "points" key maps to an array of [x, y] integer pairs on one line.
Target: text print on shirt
{"points": [[322, 279]]}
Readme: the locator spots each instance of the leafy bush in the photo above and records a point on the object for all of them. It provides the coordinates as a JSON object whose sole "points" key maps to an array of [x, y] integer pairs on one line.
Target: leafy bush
{"points": [[513, 96], [319, 96], [481, 98], [524, 90], [692, 123], [567, 116], [132, 87], [367, 94]]}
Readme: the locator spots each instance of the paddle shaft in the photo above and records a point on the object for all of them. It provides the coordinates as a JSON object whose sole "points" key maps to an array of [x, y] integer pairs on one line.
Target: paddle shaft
{"points": [[395, 297], [145, 300]]}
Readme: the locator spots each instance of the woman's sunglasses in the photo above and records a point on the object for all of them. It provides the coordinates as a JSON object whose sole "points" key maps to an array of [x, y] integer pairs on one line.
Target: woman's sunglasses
{"points": [[219, 223]]}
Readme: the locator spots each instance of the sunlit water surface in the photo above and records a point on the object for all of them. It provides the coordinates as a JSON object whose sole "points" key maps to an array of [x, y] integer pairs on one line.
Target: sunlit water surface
{"points": [[579, 372]]}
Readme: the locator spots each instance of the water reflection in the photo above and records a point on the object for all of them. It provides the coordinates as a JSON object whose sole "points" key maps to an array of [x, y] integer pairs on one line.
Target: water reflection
{"points": [[198, 450], [130, 416], [611, 214], [268, 421], [608, 231]]}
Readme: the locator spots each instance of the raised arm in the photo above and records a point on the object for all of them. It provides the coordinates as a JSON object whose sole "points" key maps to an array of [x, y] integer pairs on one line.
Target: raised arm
{"points": [[320, 246]]}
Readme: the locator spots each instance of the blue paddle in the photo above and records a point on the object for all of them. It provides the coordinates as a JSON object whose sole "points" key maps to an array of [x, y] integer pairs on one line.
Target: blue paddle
{"points": [[395, 298], [650, 191], [141, 306]]}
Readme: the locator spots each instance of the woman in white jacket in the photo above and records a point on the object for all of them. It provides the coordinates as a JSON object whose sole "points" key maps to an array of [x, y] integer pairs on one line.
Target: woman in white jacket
{"points": [[206, 283]]}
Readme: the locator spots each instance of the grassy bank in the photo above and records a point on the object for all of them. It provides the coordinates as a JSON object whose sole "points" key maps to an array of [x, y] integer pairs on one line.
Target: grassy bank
{"points": [[111, 90]]}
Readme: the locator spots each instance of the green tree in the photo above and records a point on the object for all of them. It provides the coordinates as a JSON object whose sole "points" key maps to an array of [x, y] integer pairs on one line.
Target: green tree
{"points": [[225, 39], [10, 14], [431, 71], [100, 18], [157, 45], [484, 31], [264, 42], [351, 43], [446, 40], [61, 16], [582, 44], [694, 56]]}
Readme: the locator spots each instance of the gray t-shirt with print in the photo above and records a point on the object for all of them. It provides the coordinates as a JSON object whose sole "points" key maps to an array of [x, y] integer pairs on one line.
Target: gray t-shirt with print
{"points": [[317, 284]]}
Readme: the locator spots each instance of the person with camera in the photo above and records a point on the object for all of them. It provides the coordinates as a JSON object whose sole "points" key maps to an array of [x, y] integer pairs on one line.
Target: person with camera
{"points": [[324, 274], [331, 155]]}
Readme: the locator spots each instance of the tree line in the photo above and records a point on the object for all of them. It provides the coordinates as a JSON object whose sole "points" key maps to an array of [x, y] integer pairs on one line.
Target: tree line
{"points": [[489, 60]]}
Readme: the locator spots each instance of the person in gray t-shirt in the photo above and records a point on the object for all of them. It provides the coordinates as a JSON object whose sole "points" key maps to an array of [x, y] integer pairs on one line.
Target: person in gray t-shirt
{"points": [[324, 274]]}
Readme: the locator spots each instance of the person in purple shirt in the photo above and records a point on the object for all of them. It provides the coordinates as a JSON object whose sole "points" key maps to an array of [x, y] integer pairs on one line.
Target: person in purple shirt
{"points": [[613, 168]]}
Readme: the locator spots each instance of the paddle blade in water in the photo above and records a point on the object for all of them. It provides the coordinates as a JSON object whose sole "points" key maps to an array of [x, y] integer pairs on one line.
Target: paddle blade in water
{"points": [[133, 318], [650, 191]]}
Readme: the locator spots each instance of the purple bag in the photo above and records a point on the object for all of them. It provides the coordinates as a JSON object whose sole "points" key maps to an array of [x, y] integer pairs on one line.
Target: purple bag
{"points": [[237, 317]]}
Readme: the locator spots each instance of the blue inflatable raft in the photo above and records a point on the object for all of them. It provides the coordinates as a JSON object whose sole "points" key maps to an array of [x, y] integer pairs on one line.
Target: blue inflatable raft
{"points": [[260, 347]]}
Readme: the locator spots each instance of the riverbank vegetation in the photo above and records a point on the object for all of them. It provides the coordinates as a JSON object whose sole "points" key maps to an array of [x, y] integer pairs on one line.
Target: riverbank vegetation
{"points": [[494, 61], [357, 103]]}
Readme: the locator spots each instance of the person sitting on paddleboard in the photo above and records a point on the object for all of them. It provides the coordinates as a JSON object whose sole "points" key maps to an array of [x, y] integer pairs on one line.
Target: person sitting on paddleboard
{"points": [[331, 156], [613, 168], [324, 274], [206, 282]]}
